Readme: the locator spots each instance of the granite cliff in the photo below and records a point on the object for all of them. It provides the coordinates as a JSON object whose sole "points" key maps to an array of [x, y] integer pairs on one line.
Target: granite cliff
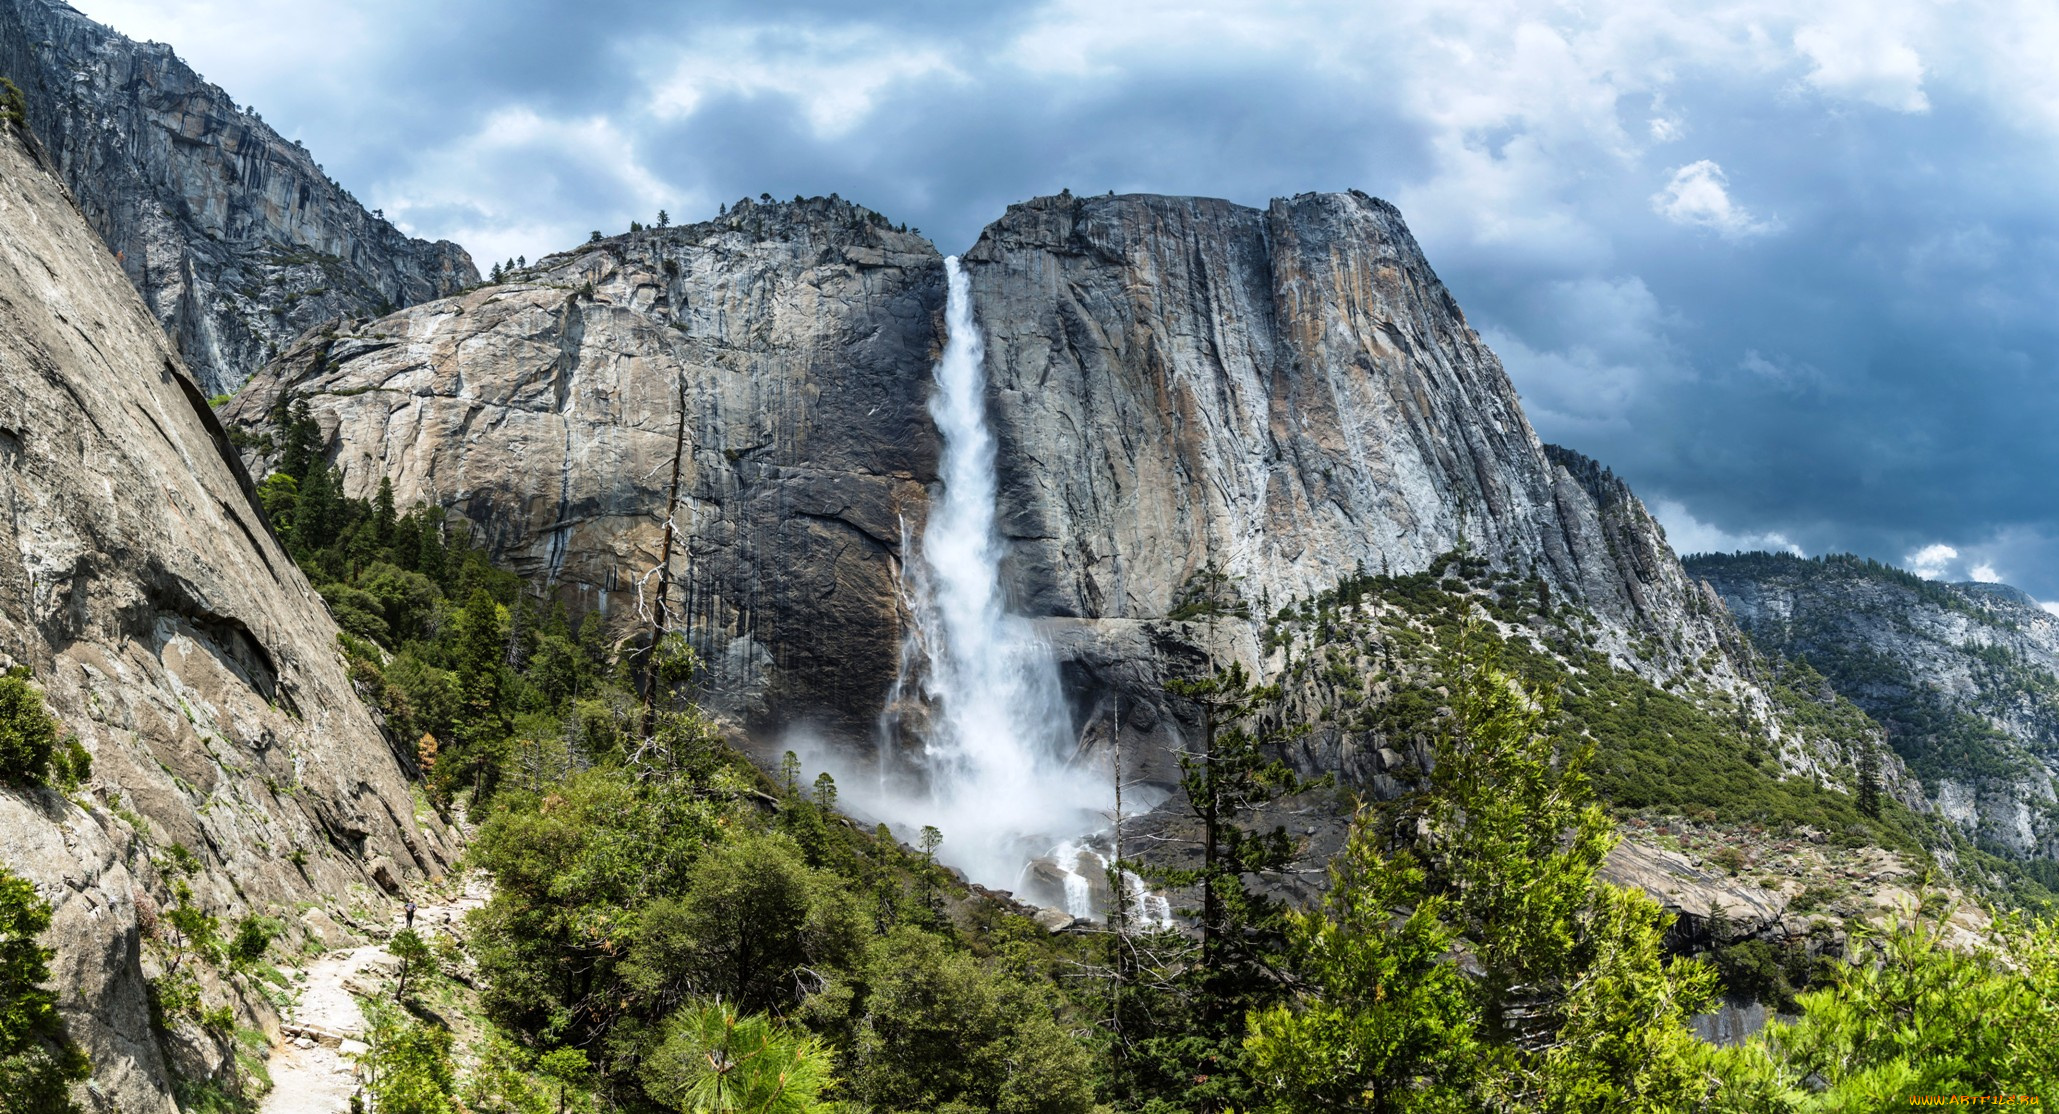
{"points": [[792, 340], [1288, 396], [1965, 677], [178, 643], [236, 239]]}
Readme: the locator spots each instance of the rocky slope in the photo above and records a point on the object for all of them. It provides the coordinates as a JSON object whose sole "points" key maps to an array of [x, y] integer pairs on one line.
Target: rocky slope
{"points": [[793, 339], [176, 640], [1964, 676], [236, 239]]}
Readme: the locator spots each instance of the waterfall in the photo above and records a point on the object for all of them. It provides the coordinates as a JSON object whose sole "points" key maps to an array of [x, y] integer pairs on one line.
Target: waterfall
{"points": [[998, 744]]}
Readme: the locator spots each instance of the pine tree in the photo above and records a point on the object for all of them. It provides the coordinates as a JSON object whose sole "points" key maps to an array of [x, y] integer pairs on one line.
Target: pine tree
{"points": [[790, 772], [299, 436], [37, 1058], [1869, 780], [382, 512], [1573, 1005]]}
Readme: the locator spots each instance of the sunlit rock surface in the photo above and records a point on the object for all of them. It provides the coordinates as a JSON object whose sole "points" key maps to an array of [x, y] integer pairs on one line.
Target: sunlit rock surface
{"points": [[546, 411], [176, 640]]}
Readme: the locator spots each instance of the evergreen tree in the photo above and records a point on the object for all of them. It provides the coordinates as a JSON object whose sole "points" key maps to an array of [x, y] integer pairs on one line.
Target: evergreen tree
{"points": [[1185, 1036], [413, 952], [1869, 779], [28, 735], [790, 773], [382, 512], [1913, 1014], [299, 436], [1386, 1021], [1573, 1005], [476, 666], [714, 1061], [38, 1061]]}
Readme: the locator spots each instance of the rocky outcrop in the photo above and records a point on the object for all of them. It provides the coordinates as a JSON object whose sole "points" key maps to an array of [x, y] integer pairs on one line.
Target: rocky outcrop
{"points": [[236, 239], [1291, 396], [1289, 393], [1965, 677], [794, 340], [176, 640]]}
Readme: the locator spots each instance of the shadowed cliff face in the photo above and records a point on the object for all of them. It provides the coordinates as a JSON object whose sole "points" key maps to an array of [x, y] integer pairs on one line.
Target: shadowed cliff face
{"points": [[176, 640], [235, 238], [546, 411]]}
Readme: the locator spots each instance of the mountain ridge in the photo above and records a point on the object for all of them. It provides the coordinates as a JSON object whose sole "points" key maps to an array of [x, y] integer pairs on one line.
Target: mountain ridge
{"points": [[236, 239]]}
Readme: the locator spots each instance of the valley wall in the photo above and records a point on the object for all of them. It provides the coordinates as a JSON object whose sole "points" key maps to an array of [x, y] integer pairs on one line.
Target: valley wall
{"points": [[175, 639]]}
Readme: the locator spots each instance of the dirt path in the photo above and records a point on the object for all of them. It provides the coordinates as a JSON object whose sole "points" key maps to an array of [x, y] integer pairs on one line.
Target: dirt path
{"points": [[312, 1067]]}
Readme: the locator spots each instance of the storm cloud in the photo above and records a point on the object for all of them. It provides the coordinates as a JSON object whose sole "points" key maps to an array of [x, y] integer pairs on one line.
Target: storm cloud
{"points": [[1792, 273]]}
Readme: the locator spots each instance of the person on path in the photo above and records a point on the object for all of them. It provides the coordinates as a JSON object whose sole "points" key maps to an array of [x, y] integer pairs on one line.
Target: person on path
{"points": [[411, 914]]}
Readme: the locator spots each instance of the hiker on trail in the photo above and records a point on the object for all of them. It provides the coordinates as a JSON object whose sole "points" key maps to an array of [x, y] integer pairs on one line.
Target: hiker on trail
{"points": [[411, 914]]}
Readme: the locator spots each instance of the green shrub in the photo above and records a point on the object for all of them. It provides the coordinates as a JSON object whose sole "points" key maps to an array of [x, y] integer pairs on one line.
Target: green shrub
{"points": [[71, 764], [37, 1059], [253, 937], [28, 735], [14, 108]]}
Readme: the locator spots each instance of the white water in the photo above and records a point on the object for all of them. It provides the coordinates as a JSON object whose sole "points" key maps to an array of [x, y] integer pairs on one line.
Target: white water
{"points": [[999, 745], [1082, 867]]}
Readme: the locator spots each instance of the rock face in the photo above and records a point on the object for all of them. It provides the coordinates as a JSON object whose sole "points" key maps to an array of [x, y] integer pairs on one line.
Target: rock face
{"points": [[235, 238], [1291, 395], [798, 339], [176, 640], [1964, 676]]}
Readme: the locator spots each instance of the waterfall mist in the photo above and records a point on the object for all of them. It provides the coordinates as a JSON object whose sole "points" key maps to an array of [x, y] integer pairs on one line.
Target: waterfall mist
{"points": [[976, 738], [998, 749]]}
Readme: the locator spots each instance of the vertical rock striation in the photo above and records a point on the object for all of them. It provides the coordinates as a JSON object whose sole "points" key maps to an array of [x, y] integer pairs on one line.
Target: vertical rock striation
{"points": [[179, 644], [1291, 395], [798, 337], [237, 241]]}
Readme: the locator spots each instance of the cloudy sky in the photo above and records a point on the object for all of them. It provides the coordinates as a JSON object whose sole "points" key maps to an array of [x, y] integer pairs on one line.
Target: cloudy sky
{"points": [[1790, 268]]}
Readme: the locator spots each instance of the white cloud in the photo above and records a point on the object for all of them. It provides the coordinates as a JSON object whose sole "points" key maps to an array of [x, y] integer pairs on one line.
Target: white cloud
{"points": [[1985, 574], [1794, 376], [1699, 195], [835, 76], [1689, 534], [2051, 606], [1932, 561], [1860, 54], [517, 166]]}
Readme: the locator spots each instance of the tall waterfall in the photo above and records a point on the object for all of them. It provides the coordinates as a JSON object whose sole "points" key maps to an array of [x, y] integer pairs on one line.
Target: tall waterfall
{"points": [[999, 743]]}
